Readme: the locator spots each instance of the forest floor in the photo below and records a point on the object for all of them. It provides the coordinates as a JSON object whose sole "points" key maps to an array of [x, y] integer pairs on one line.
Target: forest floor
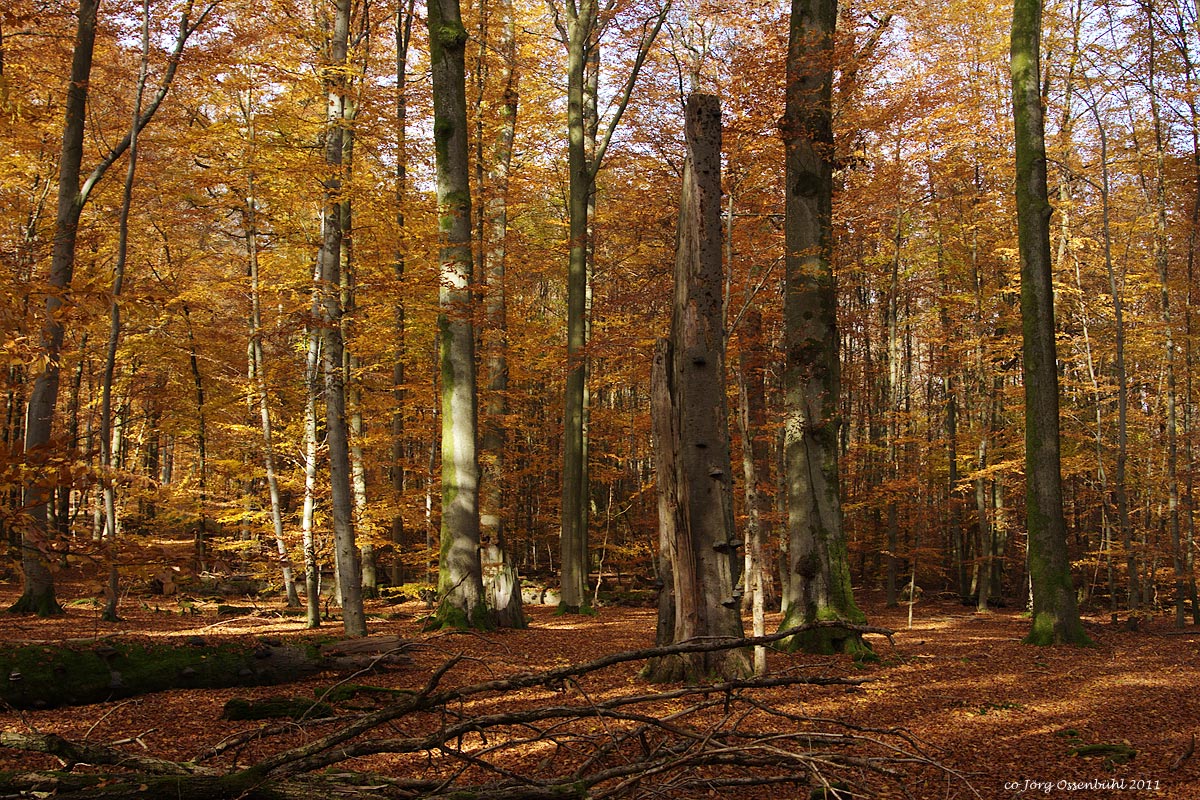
{"points": [[1001, 717]]}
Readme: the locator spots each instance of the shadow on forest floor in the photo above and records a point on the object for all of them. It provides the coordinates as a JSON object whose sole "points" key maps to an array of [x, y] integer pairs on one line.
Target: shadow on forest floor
{"points": [[1011, 719]]}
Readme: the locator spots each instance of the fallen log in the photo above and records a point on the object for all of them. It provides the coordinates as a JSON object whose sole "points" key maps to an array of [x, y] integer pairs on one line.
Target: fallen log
{"points": [[48, 676], [677, 741]]}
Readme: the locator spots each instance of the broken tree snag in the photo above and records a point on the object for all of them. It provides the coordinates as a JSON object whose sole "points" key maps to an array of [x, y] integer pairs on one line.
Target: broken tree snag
{"points": [[696, 477]]}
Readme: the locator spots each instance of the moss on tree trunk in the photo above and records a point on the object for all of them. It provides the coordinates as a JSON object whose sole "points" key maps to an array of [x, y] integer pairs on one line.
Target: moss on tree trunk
{"points": [[44, 676]]}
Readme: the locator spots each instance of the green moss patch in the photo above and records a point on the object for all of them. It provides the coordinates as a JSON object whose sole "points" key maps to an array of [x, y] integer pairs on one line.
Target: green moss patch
{"points": [[45, 676], [240, 708]]}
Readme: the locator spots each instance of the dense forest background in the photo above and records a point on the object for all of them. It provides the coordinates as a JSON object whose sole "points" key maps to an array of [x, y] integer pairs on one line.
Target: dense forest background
{"points": [[209, 260]]}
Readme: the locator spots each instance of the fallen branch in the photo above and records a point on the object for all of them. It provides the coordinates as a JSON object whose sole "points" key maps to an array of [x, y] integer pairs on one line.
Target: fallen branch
{"points": [[1187, 754], [676, 741]]}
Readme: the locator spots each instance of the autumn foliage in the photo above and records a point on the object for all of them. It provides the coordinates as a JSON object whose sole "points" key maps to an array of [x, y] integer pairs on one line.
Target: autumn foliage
{"points": [[924, 254]]}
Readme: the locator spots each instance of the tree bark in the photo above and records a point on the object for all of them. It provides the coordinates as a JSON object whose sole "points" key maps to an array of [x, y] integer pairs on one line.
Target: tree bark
{"points": [[200, 535], [112, 524], [1162, 261], [38, 583], [502, 584], [460, 584], [312, 382], [329, 259], [752, 423], [573, 560], [704, 550], [350, 363], [1055, 615], [258, 369], [1193, 248], [819, 585], [397, 472], [585, 154], [894, 398], [666, 444]]}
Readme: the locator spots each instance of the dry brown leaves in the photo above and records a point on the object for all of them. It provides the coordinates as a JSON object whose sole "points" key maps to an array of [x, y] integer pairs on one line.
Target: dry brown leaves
{"points": [[1003, 718]]}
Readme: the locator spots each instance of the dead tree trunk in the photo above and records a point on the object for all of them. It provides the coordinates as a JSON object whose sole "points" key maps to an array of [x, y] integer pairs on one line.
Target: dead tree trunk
{"points": [[666, 444], [703, 550]]}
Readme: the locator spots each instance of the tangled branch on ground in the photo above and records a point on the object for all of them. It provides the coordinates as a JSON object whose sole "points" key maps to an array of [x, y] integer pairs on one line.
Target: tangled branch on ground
{"points": [[556, 738]]}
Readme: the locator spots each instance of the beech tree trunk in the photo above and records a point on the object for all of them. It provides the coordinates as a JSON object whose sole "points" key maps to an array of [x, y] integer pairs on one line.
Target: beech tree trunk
{"points": [[1120, 488], [573, 560], [585, 153], [501, 582], [460, 584], [200, 535], [1193, 246], [312, 380], [1162, 261], [37, 593], [893, 395], [330, 261], [752, 423], [704, 550], [107, 437], [350, 364], [38, 589], [818, 588], [397, 472], [1055, 614], [258, 370]]}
